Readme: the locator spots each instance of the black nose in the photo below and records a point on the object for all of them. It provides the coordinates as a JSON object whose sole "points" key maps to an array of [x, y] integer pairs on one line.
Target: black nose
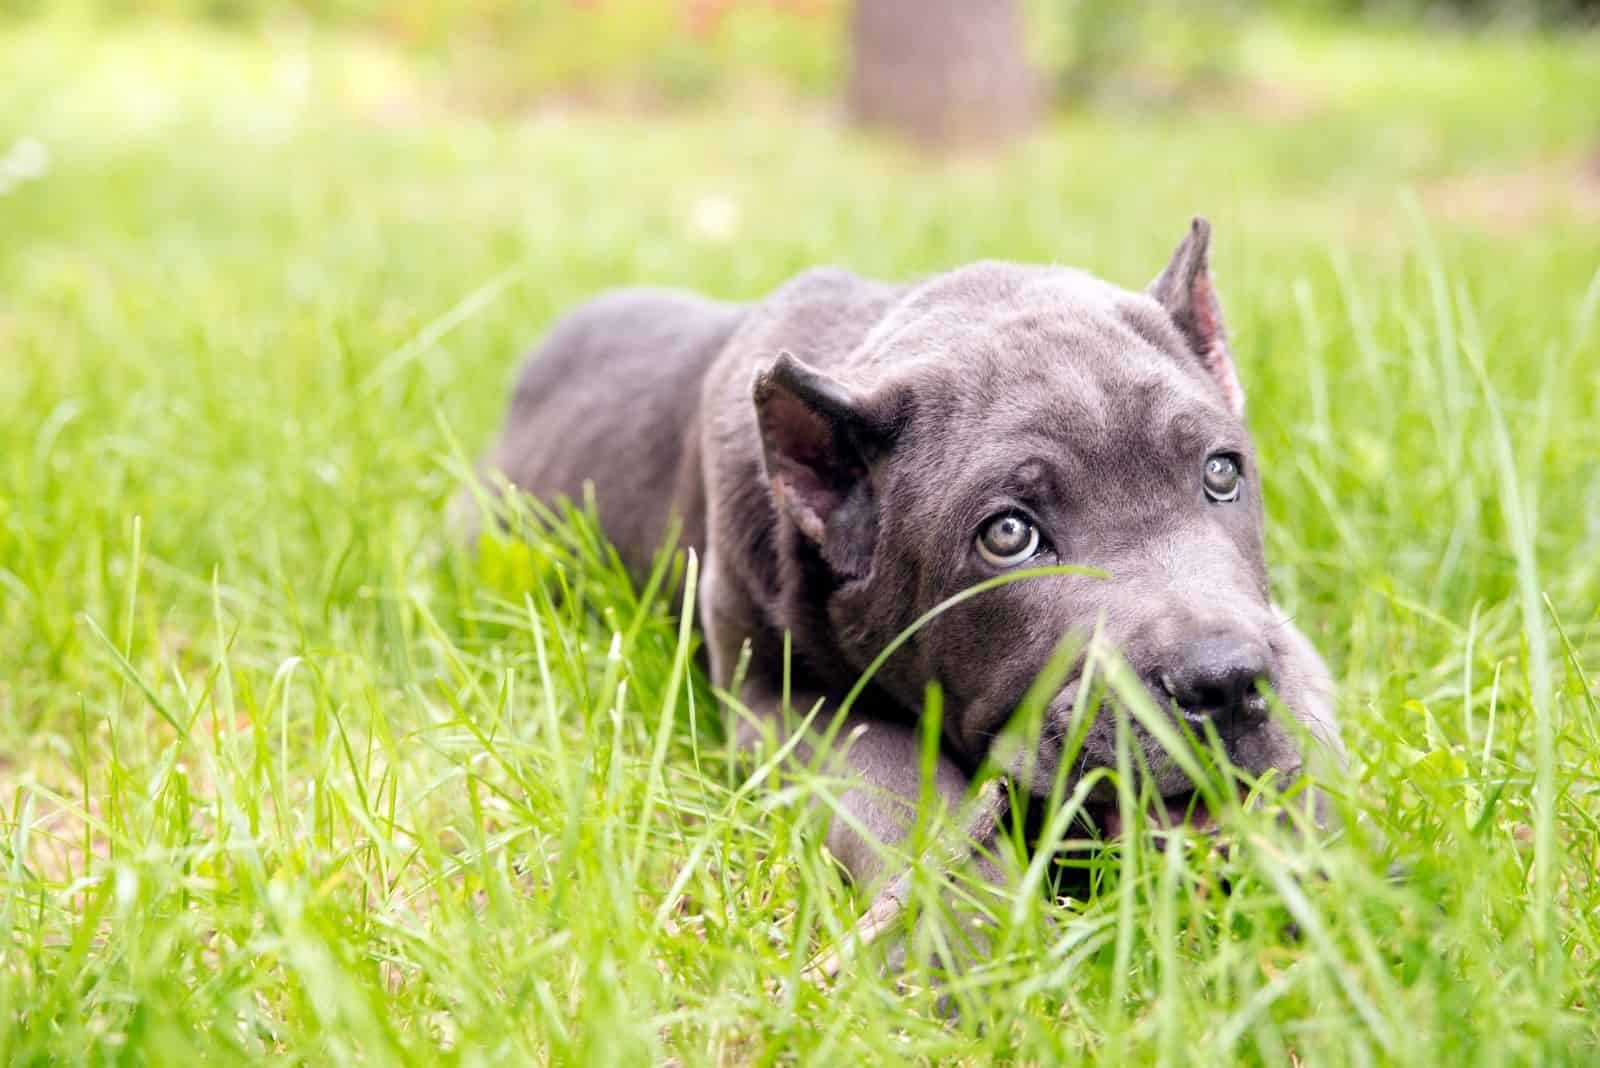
{"points": [[1219, 677]]}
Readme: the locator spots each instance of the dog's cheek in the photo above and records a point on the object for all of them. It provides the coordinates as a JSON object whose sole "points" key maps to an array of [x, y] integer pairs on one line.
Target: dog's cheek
{"points": [[865, 617]]}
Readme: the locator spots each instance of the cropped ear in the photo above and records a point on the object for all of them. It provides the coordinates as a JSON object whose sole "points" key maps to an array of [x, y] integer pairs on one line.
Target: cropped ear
{"points": [[1185, 289], [816, 437]]}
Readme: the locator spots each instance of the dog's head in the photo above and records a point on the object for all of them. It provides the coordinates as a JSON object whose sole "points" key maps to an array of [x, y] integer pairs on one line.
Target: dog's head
{"points": [[1003, 417]]}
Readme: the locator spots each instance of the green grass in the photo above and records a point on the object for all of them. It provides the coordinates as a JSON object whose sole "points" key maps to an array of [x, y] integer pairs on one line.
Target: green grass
{"points": [[284, 774]]}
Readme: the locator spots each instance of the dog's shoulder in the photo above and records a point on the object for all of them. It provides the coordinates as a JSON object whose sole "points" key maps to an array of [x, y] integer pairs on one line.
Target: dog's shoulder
{"points": [[640, 343], [821, 316]]}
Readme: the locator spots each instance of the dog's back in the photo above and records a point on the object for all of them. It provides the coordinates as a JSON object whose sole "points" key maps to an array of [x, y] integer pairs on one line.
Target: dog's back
{"points": [[611, 396]]}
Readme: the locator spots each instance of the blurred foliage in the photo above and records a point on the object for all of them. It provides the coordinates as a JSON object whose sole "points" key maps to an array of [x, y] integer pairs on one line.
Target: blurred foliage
{"points": [[1164, 51], [1138, 54], [1548, 12], [643, 54], [503, 52]]}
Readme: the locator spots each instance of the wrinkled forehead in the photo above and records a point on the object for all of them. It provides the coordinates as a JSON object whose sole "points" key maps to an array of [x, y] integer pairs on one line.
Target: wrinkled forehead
{"points": [[988, 306], [993, 331], [1081, 382], [1073, 396]]}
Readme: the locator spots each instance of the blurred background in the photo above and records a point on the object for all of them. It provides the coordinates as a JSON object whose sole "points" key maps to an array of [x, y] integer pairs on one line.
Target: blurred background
{"points": [[1499, 95], [1314, 113], [940, 72]]}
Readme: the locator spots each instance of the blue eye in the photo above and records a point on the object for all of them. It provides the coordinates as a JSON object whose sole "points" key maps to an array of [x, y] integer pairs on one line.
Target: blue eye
{"points": [[1007, 540], [1221, 478]]}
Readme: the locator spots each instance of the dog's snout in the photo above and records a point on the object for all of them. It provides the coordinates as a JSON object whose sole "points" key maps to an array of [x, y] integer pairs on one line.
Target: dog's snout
{"points": [[1219, 677]]}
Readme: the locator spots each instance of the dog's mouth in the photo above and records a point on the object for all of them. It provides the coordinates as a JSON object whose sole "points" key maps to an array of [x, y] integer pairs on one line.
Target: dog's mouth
{"points": [[1186, 809]]}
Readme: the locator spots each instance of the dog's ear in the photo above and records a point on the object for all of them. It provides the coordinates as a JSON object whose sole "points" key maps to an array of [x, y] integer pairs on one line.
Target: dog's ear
{"points": [[1185, 289], [817, 437]]}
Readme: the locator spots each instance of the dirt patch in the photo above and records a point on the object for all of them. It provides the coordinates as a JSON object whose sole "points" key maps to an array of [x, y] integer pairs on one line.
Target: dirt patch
{"points": [[1509, 201], [58, 851]]}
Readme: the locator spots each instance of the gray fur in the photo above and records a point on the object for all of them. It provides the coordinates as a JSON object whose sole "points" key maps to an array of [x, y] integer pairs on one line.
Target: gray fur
{"points": [[833, 450]]}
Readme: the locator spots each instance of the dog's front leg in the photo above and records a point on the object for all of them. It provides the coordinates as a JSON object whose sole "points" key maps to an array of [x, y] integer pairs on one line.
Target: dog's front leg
{"points": [[879, 761], [882, 762]]}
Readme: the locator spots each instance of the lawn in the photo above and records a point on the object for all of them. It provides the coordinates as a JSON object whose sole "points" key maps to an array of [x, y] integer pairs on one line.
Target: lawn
{"points": [[285, 773]]}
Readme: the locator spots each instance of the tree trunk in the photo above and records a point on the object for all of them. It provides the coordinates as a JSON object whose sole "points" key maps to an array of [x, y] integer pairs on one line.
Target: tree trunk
{"points": [[943, 72]]}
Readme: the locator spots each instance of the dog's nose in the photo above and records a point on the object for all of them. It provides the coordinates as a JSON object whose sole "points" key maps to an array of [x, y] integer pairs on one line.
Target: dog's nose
{"points": [[1219, 677]]}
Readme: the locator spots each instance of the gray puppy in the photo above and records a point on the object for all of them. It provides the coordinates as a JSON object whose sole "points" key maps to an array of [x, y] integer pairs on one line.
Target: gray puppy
{"points": [[846, 454]]}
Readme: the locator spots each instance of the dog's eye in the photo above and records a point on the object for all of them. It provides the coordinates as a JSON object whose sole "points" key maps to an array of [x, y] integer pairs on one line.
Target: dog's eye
{"points": [[1008, 540], [1221, 477]]}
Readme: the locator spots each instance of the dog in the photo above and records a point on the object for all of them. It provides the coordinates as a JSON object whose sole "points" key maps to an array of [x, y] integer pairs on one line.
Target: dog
{"points": [[846, 454]]}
